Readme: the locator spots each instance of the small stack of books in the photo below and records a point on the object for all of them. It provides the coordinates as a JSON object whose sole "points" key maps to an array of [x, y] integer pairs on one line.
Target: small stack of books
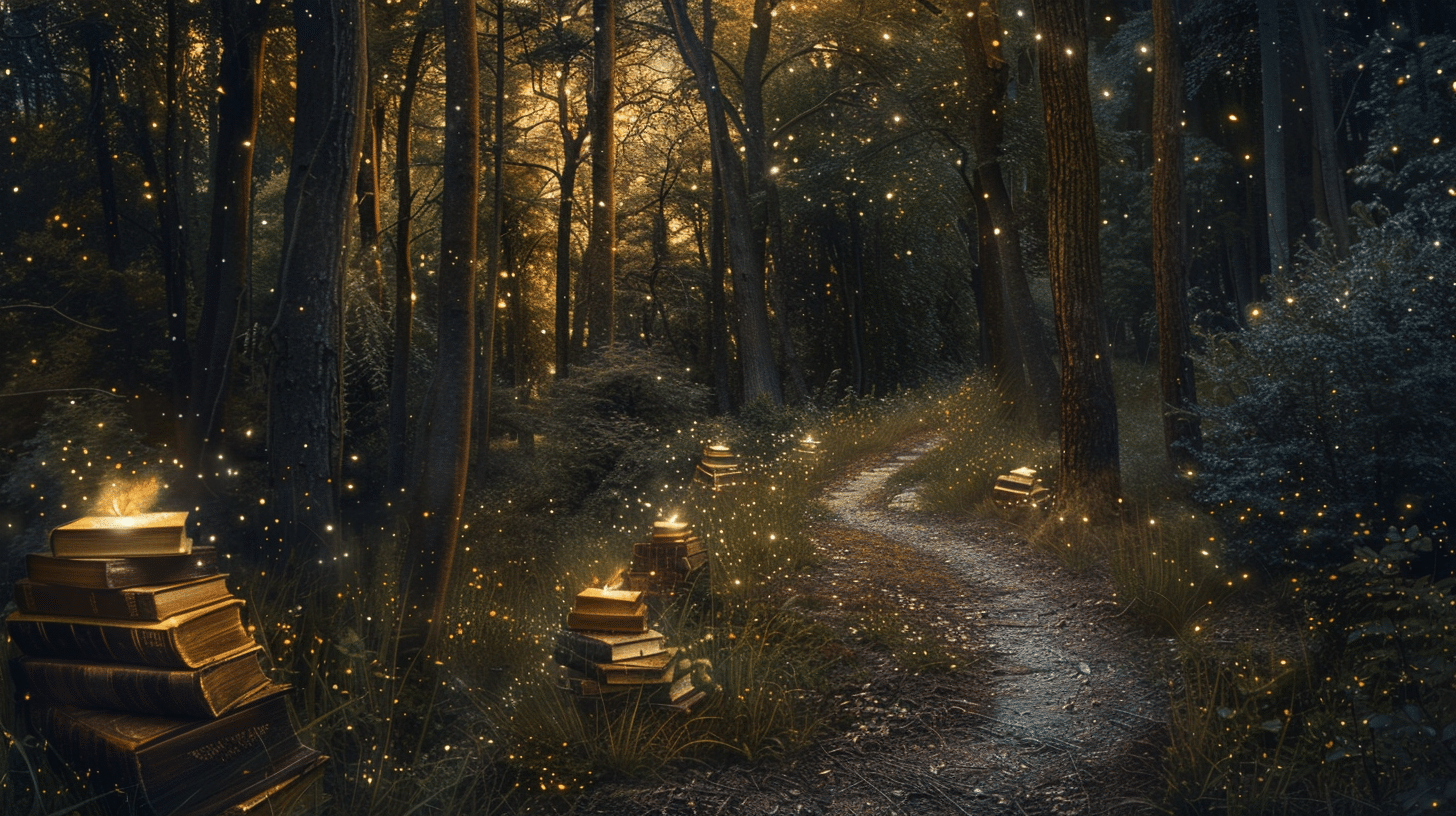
{"points": [[719, 467], [1020, 486], [807, 451], [668, 561], [137, 668], [610, 654]]}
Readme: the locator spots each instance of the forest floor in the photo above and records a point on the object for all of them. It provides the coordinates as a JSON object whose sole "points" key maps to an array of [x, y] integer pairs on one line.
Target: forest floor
{"points": [[1055, 705]]}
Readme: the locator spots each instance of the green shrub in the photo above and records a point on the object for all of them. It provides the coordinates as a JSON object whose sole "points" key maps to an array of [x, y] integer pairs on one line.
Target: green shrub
{"points": [[1329, 418]]}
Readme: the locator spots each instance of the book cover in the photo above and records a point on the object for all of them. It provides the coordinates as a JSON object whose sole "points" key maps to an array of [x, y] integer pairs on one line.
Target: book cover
{"points": [[152, 603], [204, 693], [185, 641], [632, 621], [607, 648], [106, 536], [279, 793], [122, 572], [177, 766]]}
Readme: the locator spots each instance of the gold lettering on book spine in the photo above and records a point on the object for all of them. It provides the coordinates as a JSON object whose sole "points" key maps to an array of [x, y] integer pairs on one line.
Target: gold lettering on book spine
{"points": [[131, 603], [229, 747], [151, 642]]}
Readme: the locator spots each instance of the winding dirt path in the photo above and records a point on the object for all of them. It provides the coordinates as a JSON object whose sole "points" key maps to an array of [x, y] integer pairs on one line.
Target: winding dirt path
{"points": [[1059, 714]]}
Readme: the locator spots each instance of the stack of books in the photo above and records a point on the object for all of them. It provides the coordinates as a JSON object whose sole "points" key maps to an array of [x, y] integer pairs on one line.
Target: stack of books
{"points": [[668, 561], [807, 450], [138, 670], [719, 467], [610, 654], [1020, 486]]}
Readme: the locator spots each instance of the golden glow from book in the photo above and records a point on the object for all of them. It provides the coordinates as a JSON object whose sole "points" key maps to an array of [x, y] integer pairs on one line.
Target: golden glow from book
{"points": [[126, 500]]}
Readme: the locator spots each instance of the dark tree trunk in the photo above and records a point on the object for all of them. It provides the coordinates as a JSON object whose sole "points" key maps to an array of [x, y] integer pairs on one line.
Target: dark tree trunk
{"points": [[1021, 355], [718, 299], [1328, 179], [1170, 278], [243, 27], [99, 75], [305, 404], [755, 338], [404, 285], [444, 437], [601, 258], [1275, 195], [485, 350], [367, 200], [571, 144], [176, 271], [1090, 477]]}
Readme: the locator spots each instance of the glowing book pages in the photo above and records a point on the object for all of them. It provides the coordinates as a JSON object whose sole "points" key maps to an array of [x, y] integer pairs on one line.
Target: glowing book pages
{"points": [[107, 536]]}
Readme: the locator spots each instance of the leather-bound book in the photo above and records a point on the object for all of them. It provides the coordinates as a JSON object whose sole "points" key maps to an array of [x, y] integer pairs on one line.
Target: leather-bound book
{"points": [[149, 603], [205, 692], [119, 572], [185, 641]]}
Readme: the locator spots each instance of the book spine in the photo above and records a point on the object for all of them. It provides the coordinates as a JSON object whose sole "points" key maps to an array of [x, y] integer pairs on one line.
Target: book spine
{"points": [[588, 650], [48, 599], [86, 641], [120, 688], [78, 744]]}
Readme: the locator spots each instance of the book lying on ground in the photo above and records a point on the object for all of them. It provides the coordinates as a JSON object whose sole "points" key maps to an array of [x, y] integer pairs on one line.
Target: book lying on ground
{"points": [[151, 603], [205, 692], [633, 620], [601, 647], [122, 572], [105, 536], [184, 641], [179, 766]]}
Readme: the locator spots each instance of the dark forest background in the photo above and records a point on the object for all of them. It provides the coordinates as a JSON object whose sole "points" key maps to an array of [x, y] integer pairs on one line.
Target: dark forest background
{"points": [[375, 286]]}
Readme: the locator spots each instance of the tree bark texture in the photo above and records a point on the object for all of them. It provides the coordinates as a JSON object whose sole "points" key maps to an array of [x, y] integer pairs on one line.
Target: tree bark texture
{"points": [[305, 405], [404, 284], [1328, 174], [571, 144], [367, 200], [242, 26], [176, 271], [485, 350], [755, 337], [1021, 353], [444, 437], [1090, 476], [1275, 196], [1170, 279], [100, 75], [601, 251]]}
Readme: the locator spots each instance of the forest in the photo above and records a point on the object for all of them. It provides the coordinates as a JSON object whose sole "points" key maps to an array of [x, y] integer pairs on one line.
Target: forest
{"points": [[428, 311]]}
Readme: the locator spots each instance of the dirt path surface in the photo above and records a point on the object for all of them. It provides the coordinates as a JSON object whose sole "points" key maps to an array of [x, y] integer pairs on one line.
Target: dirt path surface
{"points": [[1059, 711]]}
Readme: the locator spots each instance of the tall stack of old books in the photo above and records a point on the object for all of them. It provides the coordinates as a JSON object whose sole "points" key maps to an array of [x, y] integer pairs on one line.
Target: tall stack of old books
{"points": [[610, 654], [138, 670], [719, 467], [667, 562]]}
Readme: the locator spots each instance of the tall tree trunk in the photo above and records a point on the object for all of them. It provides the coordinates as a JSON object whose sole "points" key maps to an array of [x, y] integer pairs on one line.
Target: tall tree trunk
{"points": [[1022, 357], [1276, 200], [404, 285], [755, 338], [601, 251], [1328, 178], [305, 407], [485, 352], [99, 76], [1170, 280], [1090, 477], [176, 270], [444, 438], [243, 28], [717, 297], [571, 144], [367, 200]]}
